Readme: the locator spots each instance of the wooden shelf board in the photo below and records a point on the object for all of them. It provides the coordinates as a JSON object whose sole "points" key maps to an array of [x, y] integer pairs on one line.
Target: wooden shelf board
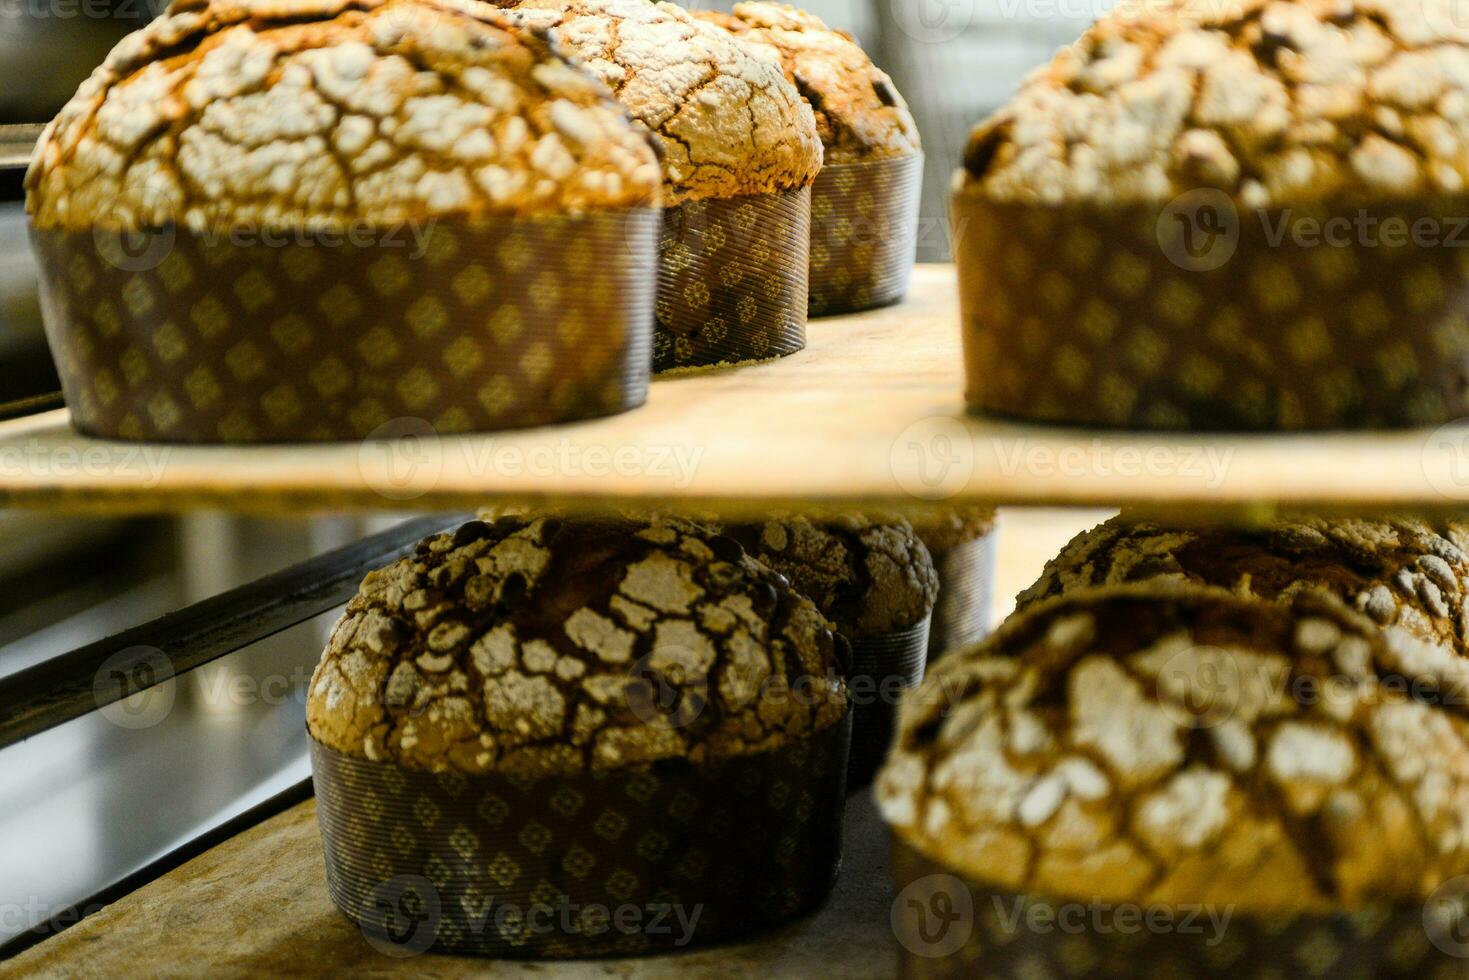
{"points": [[871, 413], [257, 905]]}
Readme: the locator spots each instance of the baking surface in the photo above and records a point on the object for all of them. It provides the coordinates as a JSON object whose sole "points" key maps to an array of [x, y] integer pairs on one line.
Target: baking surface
{"points": [[870, 413], [257, 905]]}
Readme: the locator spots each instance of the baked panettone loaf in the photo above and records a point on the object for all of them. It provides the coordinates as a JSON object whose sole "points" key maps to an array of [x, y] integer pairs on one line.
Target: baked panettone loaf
{"points": [[317, 113], [1402, 573], [867, 573], [859, 112], [1272, 102], [1175, 745], [549, 647], [954, 527], [729, 123]]}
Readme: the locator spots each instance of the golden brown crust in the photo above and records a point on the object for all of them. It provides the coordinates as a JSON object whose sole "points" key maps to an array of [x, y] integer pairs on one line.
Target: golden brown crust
{"points": [[330, 112], [859, 111], [1403, 573], [867, 573], [953, 527], [553, 647], [1170, 744], [729, 122], [1273, 102]]}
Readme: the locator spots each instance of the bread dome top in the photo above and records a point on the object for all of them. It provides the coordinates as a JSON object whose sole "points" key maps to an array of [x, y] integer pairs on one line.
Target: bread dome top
{"points": [[1272, 101], [859, 112], [954, 526], [729, 122], [1169, 744], [867, 573], [1402, 572], [549, 647], [309, 113]]}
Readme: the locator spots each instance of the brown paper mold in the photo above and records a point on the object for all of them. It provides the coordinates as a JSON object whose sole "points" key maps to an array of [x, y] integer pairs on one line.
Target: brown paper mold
{"points": [[864, 231], [1120, 317], [1159, 777], [732, 280], [544, 739], [333, 239], [739, 150], [1226, 216], [962, 543]]}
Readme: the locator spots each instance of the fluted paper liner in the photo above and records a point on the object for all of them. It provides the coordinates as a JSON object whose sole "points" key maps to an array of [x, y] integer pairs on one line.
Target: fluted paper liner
{"points": [[961, 617], [470, 326], [864, 233], [732, 277], [882, 664], [949, 926], [1201, 315], [540, 867]]}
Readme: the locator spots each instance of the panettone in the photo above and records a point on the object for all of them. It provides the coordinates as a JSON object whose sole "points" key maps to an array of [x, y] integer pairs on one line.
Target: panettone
{"points": [[1274, 103], [729, 123], [867, 573], [1178, 746], [859, 113], [1403, 573], [548, 647], [318, 113], [954, 526]]}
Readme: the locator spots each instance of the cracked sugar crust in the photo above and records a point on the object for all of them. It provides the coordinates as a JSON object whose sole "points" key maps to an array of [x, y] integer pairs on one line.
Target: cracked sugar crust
{"points": [[1270, 101], [867, 573], [332, 112], [1403, 573], [728, 121], [1165, 743], [549, 647], [954, 526], [859, 111]]}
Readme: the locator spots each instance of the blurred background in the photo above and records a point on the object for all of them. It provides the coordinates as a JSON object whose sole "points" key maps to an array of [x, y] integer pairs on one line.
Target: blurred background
{"points": [[94, 800]]}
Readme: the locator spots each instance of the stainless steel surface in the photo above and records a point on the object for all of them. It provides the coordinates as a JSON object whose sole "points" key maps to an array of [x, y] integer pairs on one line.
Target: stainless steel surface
{"points": [[25, 363], [53, 45], [955, 61], [16, 143], [92, 800]]}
